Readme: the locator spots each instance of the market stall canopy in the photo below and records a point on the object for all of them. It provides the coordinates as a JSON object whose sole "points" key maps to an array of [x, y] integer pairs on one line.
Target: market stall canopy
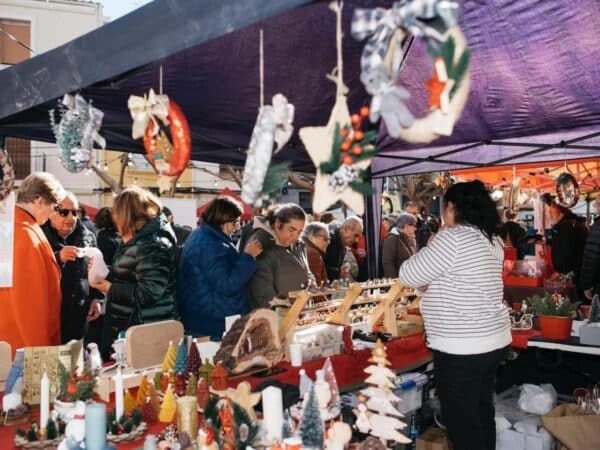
{"points": [[539, 176], [535, 78]]}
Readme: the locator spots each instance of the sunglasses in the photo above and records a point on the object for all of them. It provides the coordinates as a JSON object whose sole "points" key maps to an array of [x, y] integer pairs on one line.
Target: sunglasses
{"points": [[63, 212]]}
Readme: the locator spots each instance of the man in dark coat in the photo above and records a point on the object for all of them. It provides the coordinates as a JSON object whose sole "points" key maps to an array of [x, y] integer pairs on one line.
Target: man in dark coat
{"points": [[340, 238], [423, 232], [568, 238], [67, 235], [590, 267], [85, 220]]}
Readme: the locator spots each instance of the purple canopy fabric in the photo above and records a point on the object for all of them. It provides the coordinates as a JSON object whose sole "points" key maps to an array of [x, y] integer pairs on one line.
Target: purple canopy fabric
{"points": [[535, 77]]}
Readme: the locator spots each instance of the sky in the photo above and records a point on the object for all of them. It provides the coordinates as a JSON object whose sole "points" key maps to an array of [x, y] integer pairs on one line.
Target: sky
{"points": [[114, 9]]}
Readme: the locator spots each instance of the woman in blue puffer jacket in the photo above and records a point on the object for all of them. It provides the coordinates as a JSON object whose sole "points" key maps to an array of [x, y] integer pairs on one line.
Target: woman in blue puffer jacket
{"points": [[212, 275]]}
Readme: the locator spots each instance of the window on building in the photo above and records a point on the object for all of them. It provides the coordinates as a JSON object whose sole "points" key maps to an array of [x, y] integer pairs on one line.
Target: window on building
{"points": [[19, 151], [11, 52]]}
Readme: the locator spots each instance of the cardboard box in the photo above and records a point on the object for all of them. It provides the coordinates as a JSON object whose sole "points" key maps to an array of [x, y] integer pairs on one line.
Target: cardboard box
{"points": [[433, 439]]}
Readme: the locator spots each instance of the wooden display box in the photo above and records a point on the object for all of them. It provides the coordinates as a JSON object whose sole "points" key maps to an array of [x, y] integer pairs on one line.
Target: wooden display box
{"points": [[511, 280], [410, 324]]}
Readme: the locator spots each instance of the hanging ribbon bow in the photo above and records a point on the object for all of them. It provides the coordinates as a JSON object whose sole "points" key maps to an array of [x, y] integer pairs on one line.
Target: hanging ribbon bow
{"points": [[429, 19], [273, 127], [89, 118], [143, 109]]}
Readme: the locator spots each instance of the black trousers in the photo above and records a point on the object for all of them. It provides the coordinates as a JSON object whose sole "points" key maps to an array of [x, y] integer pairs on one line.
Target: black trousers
{"points": [[465, 385]]}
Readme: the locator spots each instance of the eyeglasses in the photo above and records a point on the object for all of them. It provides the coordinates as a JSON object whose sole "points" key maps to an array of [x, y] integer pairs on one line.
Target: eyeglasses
{"points": [[63, 212], [324, 237]]}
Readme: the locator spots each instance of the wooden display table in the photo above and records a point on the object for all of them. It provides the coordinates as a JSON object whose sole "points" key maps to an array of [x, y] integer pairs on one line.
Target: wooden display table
{"points": [[406, 353]]}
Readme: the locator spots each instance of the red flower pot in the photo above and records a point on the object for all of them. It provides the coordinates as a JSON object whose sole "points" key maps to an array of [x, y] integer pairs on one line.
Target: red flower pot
{"points": [[557, 328], [585, 310]]}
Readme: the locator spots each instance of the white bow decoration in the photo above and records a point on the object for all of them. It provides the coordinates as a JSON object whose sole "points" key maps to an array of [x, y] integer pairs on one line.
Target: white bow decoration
{"points": [[143, 109]]}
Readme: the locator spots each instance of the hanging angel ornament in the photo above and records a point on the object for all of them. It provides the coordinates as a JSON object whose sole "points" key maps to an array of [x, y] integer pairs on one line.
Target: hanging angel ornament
{"points": [[273, 129]]}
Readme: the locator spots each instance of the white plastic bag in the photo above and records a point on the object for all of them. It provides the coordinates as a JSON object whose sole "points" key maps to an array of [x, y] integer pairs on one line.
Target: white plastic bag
{"points": [[537, 399], [98, 271]]}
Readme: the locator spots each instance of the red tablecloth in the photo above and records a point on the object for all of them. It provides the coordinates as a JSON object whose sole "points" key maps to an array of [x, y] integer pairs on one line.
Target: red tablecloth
{"points": [[404, 353], [520, 338]]}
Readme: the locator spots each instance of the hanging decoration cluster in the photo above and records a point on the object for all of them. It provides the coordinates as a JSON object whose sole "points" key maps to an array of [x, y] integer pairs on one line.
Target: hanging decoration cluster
{"points": [[7, 175], [77, 131], [273, 129], [434, 21], [151, 115], [350, 145]]}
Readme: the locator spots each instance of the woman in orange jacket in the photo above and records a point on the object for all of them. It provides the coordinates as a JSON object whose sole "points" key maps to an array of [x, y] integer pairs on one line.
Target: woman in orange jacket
{"points": [[31, 307]]}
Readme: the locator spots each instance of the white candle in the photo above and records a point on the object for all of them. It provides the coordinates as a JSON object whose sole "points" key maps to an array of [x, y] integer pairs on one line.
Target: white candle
{"points": [[272, 413], [119, 394], [44, 400]]}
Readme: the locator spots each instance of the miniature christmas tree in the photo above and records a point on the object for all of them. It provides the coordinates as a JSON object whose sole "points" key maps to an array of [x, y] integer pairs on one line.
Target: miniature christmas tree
{"points": [[205, 371], [153, 395], [170, 358], [202, 393], [149, 412], [219, 378], [51, 431], [193, 361], [168, 407], [329, 375], [192, 385], [182, 357], [311, 426], [158, 376], [129, 402], [180, 385], [595, 311], [142, 392], [381, 415]]}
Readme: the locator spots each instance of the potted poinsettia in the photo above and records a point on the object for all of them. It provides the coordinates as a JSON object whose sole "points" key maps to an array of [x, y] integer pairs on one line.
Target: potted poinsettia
{"points": [[555, 314], [73, 387]]}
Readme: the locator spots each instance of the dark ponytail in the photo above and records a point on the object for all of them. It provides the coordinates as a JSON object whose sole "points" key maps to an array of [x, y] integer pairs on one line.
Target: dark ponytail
{"points": [[474, 206], [285, 213]]}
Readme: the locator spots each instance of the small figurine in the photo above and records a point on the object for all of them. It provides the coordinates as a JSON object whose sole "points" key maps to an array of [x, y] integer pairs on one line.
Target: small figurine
{"points": [[94, 358]]}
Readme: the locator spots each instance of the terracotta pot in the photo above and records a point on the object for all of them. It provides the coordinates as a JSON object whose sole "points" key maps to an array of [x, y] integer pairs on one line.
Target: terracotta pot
{"points": [[556, 328], [585, 310]]}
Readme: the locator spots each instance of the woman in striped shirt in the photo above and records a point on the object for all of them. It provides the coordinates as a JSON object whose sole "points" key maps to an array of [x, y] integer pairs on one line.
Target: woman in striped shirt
{"points": [[467, 325]]}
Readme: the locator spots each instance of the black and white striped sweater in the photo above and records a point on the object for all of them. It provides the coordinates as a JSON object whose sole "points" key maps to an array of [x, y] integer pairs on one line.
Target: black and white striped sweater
{"points": [[462, 308]]}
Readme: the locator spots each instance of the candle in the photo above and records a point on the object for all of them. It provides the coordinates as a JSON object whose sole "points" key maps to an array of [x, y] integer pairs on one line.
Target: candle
{"points": [[272, 413], [95, 426], [44, 400], [187, 415], [119, 394]]}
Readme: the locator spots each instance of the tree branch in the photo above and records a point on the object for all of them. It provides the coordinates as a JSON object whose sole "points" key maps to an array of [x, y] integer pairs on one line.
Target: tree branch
{"points": [[110, 181], [234, 175]]}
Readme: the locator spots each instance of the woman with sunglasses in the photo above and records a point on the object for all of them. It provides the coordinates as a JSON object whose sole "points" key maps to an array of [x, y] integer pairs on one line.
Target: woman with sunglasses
{"points": [[30, 308], [212, 274], [79, 302], [142, 281]]}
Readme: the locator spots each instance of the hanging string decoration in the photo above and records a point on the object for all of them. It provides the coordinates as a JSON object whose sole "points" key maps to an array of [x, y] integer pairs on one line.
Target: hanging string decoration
{"points": [[435, 22], [77, 131], [273, 129], [567, 190], [151, 115], [7, 175]]}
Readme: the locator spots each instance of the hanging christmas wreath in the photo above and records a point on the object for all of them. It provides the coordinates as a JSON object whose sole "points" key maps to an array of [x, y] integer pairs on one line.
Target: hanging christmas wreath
{"points": [[151, 115], [434, 21], [7, 175], [77, 131], [567, 190]]}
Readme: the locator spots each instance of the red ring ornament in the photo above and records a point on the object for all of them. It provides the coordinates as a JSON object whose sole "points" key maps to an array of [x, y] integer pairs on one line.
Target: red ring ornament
{"points": [[182, 142]]}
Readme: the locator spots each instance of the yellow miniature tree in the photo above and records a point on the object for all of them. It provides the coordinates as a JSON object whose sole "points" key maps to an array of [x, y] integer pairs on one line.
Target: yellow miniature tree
{"points": [[142, 392], [168, 407], [129, 402], [170, 358]]}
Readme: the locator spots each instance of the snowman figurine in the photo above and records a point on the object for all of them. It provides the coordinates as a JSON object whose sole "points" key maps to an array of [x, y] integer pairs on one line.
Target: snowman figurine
{"points": [[75, 430]]}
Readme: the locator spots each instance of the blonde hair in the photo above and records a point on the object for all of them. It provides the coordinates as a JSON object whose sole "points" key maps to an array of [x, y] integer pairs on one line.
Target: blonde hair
{"points": [[40, 184], [133, 207]]}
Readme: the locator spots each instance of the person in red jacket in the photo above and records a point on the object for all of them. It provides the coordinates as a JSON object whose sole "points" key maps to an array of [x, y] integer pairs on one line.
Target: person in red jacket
{"points": [[31, 306]]}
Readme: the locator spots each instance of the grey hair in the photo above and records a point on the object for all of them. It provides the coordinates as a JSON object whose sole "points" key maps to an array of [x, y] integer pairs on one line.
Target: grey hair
{"points": [[71, 196], [405, 219], [352, 222], [313, 228]]}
